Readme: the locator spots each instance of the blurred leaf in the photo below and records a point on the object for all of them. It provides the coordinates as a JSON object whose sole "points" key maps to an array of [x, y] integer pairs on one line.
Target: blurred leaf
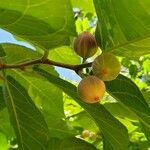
{"points": [[146, 95], [89, 15], [130, 125], [46, 24], [144, 145], [70, 144], [126, 62], [3, 141], [16, 53], [2, 53], [71, 107], [84, 120], [84, 5], [120, 111], [133, 70], [123, 26], [2, 101], [114, 133], [125, 91], [5, 125], [82, 25], [146, 130], [146, 65], [64, 54], [29, 125], [125, 115]]}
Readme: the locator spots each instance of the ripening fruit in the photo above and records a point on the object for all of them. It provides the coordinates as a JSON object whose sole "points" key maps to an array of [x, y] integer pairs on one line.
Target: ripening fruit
{"points": [[91, 89], [85, 134], [106, 67], [85, 45]]}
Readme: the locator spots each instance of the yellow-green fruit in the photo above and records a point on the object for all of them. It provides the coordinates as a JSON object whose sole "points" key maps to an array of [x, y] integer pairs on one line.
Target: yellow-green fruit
{"points": [[91, 89], [85, 134], [106, 67], [85, 45]]}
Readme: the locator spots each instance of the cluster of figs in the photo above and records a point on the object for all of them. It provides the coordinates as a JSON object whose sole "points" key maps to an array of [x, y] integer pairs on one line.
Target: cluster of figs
{"points": [[105, 67]]}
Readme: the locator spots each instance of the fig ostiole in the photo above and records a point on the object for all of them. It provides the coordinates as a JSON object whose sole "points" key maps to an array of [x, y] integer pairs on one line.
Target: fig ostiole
{"points": [[106, 66], [91, 89], [85, 45]]}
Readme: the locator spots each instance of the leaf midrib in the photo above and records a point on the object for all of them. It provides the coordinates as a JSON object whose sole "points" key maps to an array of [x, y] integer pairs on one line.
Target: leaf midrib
{"points": [[15, 114], [74, 97]]}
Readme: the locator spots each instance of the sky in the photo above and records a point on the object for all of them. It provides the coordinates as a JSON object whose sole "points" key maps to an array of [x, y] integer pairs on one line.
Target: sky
{"points": [[64, 73]]}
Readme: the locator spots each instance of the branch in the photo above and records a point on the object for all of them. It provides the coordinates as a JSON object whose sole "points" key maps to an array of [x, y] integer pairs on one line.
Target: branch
{"points": [[76, 68]]}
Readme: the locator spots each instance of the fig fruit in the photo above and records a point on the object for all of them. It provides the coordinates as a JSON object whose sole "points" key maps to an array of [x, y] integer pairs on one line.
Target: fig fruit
{"points": [[85, 134], [106, 67], [85, 45], [91, 89]]}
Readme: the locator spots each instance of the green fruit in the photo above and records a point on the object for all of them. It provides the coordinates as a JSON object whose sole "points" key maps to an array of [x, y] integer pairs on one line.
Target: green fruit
{"points": [[106, 67], [85, 45], [91, 89]]}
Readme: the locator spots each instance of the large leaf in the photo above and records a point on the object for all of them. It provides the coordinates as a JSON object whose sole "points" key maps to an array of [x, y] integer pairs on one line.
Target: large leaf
{"points": [[48, 98], [64, 54], [125, 91], [29, 125], [45, 23], [124, 26], [16, 53], [69, 144], [114, 133], [44, 94], [124, 114]]}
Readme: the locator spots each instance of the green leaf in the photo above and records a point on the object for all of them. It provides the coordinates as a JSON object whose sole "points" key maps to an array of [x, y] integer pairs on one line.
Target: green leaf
{"points": [[2, 53], [29, 125], [120, 111], [64, 54], [48, 98], [46, 24], [146, 65], [69, 144], [124, 26], [115, 134], [3, 141], [16, 53], [84, 120], [44, 94], [146, 95], [125, 91], [133, 70], [143, 145], [146, 130], [131, 125], [85, 5], [5, 125], [2, 101]]}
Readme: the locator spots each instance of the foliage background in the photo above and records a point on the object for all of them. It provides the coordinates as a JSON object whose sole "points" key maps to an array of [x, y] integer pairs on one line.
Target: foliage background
{"points": [[39, 110]]}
